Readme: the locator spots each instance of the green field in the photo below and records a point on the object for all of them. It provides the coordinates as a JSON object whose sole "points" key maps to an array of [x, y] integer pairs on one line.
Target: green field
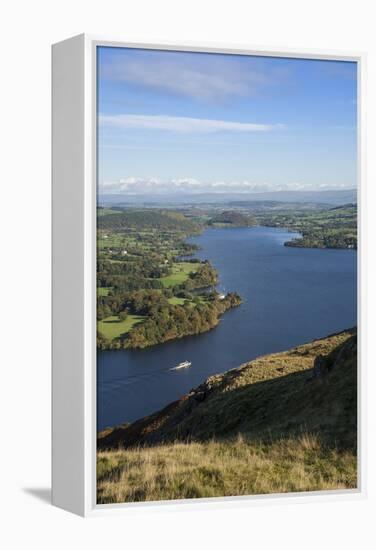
{"points": [[110, 240], [174, 301], [101, 291], [112, 327], [180, 273]]}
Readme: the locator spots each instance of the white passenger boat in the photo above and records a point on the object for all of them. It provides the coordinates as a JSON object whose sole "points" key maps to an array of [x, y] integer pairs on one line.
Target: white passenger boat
{"points": [[183, 365]]}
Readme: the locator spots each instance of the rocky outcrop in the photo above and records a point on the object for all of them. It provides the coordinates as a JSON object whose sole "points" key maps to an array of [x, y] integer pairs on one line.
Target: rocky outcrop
{"points": [[324, 364]]}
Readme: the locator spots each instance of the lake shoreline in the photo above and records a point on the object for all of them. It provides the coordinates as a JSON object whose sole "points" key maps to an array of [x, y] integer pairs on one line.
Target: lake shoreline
{"points": [[131, 434], [236, 255]]}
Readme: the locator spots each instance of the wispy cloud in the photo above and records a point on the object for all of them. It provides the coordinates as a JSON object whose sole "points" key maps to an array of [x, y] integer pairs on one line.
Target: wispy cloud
{"points": [[180, 186], [182, 124], [198, 76]]}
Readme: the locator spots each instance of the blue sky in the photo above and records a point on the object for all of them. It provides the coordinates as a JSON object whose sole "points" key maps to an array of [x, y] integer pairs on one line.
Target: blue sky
{"points": [[177, 122]]}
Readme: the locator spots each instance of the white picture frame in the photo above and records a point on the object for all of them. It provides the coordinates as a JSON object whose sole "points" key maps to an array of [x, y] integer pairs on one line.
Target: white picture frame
{"points": [[74, 275]]}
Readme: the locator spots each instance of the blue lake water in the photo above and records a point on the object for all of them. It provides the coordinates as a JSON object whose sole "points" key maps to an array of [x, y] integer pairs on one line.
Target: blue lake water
{"points": [[290, 296]]}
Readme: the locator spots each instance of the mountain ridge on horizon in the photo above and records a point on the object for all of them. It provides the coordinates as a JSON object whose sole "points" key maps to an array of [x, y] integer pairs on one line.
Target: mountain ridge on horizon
{"points": [[334, 197]]}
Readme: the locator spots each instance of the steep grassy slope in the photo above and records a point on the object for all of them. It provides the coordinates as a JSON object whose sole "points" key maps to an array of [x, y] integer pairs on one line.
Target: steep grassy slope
{"points": [[284, 422]]}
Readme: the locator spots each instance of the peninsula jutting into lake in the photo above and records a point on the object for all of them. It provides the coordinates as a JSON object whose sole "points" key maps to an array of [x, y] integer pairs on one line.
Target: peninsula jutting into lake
{"points": [[153, 289], [226, 275]]}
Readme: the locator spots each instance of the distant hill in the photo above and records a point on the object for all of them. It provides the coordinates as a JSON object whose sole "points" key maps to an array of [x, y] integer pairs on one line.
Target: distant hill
{"points": [[348, 206], [326, 197], [232, 218], [283, 422], [164, 220], [264, 205]]}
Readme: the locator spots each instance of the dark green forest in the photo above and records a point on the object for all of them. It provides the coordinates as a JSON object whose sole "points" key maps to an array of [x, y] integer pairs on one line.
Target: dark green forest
{"points": [[232, 218]]}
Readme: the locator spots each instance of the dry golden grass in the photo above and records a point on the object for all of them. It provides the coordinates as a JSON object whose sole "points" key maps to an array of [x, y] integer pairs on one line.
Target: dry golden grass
{"points": [[211, 469]]}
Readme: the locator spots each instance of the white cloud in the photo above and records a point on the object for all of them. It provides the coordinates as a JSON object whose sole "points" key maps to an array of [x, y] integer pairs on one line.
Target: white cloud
{"points": [[198, 76], [182, 124], [155, 186]]}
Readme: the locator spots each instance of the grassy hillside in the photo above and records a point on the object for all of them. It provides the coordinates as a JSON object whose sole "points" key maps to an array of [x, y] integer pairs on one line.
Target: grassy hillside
{"points": [[284, 422], [162, 220], [232, 218], [217, 468]]}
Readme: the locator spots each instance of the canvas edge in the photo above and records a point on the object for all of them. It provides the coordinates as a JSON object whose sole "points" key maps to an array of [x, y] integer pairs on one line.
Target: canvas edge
{"points": [[68, 382]]}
